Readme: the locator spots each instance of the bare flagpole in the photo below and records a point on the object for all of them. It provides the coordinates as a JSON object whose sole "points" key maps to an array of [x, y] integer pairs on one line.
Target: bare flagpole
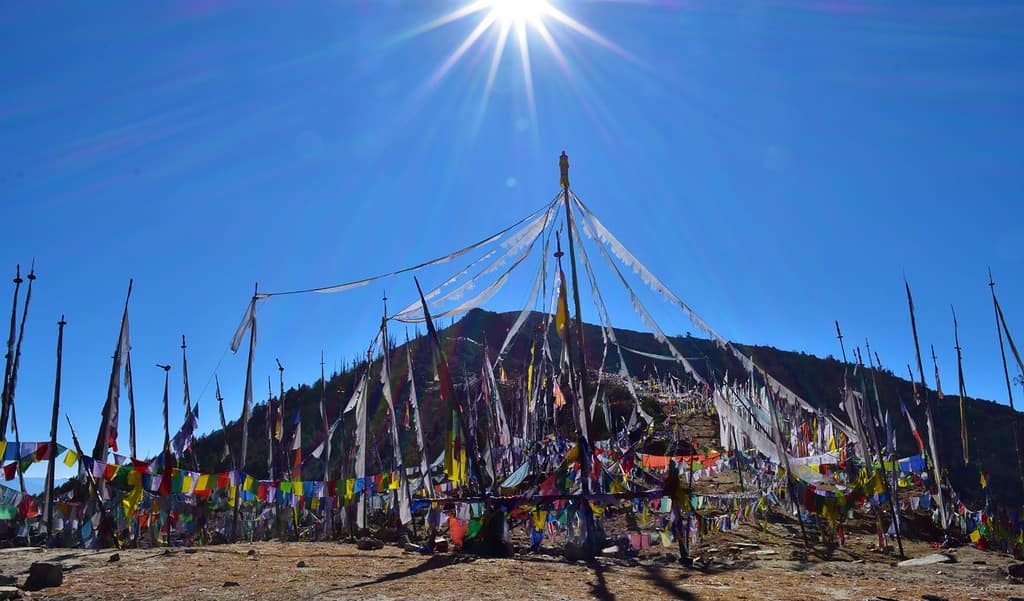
{"points": [[53, 432]]}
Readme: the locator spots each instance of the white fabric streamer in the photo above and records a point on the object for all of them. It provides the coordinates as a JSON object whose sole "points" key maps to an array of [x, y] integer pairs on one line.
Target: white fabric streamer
{"points": [[243, 327], [438, 261]]}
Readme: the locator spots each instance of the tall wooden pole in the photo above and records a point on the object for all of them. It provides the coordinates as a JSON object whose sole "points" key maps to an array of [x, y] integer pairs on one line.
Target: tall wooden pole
{"points": [[272, 418], [184, 376], [110, 407], [891, 488], [5, 408], [53, 431], [1014, 423], [93, 484], [962, 387], [577, 388], [131, 403], [773, 401], [246, 407], [329, 517], [224, 425], [13, 384], [933, 446], [167, 429]]}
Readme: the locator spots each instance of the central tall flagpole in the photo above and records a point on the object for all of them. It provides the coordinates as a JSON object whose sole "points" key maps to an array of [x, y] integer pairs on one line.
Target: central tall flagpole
{"points": [[583, 415]]}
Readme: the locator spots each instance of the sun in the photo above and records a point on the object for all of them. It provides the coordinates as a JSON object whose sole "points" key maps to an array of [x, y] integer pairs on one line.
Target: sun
{"points": [[511, 12], [519, 20]]}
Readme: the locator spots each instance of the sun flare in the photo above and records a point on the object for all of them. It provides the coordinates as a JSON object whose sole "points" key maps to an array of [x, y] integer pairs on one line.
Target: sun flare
{"points": [[519, 20]]}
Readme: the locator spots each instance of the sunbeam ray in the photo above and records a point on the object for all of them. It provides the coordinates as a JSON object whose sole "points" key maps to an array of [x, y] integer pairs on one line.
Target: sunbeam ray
{"points": [[524, 55], [466, 45]]}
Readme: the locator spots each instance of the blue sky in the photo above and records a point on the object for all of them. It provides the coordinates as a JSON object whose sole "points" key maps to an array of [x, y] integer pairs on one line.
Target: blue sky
{"points": [[779, 165]]}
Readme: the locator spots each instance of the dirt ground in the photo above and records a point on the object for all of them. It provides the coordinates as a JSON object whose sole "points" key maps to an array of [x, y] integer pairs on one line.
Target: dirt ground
{"points": [[748, 563]]}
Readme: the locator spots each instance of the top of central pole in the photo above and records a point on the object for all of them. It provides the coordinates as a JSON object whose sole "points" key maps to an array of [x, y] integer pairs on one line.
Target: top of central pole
{"points": [[563, 165]]}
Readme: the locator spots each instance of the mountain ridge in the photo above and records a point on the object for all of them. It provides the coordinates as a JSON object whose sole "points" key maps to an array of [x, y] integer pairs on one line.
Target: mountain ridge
{"points": [[817, 380]]}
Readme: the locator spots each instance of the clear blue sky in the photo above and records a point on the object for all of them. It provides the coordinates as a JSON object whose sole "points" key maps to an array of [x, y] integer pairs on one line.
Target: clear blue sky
{"points": [[779, 164]]}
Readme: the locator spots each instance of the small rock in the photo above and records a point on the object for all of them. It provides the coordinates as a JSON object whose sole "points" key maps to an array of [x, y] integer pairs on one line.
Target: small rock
{"points": [[114, 557], [927, 560], [7, 580], [9, 592], [978, 562], [1015, 599], [1016, 570], [301, 564], [228, 583], [42, 574], [765, 552], [369, 544], [251, 552], [931, 597], [612, 550]]}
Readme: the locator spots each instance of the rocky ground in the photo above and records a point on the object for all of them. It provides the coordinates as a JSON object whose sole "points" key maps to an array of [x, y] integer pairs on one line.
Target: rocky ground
{"points": [[748, 563]]}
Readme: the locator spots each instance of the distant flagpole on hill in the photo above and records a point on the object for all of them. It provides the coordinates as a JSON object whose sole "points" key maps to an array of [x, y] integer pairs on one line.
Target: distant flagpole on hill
{"points": [[962, 387], [923, 397], [1014, 421]]}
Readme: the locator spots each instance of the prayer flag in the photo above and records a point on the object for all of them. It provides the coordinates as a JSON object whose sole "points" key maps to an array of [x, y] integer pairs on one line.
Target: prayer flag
{"points": [[562, 310]]}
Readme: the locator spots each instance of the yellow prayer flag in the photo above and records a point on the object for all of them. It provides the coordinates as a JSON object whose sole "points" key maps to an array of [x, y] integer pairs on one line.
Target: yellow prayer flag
{"points": [[350, 490], [130, 501], [562, 312], [69, 460], [203, 483]]}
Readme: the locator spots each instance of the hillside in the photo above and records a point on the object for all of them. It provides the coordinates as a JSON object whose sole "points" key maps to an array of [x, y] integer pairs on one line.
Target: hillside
{"points": [[815, 379]]}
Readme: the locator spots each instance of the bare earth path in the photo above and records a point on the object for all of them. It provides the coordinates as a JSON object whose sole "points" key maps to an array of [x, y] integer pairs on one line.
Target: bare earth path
{"points": [[271, 570]]}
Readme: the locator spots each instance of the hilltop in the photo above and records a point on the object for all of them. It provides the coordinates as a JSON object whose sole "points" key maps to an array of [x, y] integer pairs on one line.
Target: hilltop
{"points": [[818, 380]]}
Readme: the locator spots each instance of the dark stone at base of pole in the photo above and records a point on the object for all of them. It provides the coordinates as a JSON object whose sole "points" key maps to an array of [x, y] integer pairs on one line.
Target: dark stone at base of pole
{"points": [[44, 574]]}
